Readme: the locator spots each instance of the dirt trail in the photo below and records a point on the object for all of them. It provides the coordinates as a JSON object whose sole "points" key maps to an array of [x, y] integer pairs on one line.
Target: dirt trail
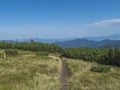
{"points": [[63, 74]]}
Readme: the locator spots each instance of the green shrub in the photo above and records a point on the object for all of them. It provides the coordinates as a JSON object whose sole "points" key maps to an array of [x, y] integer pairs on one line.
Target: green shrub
{"points": [[42, 54], [100, 69], [1, 55], [11, 52]]}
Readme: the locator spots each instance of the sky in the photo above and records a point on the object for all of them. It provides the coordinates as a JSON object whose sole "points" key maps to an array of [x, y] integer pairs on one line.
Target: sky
{"points": [[50, 19]]}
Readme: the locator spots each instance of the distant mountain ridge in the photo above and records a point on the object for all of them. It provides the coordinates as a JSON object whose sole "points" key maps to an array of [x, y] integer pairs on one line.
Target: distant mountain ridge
{"points": [[78, 43], [38, 40], [110, 37], [93, 42], [45, 40]]}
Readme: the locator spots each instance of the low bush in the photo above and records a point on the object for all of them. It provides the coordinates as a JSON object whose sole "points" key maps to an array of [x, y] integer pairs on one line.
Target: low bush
{"points": [[11, 52], [100, 69], [42, 53]]}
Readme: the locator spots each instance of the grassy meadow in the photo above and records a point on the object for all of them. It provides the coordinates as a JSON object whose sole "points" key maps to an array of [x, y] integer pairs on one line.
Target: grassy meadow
{"points": [[80, 77], [31, 71], [27, 71]]}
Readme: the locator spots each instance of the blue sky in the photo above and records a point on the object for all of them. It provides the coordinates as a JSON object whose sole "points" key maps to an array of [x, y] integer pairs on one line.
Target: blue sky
{"points": [[58, 18]]}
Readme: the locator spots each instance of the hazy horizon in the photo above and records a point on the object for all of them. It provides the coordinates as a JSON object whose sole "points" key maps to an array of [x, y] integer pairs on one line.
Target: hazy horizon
{"points": [[55, 19]]}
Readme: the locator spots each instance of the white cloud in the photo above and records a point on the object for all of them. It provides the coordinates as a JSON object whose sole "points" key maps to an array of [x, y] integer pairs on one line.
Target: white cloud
{"points": [[106, 23]]}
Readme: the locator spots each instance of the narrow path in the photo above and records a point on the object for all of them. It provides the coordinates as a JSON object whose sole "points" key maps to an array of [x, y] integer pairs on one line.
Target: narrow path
{"points": [[63, 74]]}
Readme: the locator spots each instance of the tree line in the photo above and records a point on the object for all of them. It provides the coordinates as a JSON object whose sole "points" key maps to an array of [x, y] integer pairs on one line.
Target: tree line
{"points": [[105, 56], [31, 46]]}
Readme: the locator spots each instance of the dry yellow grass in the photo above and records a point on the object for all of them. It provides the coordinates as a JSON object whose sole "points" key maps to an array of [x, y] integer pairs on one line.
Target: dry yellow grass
{"points": [[29, 72], [81, 78]]}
